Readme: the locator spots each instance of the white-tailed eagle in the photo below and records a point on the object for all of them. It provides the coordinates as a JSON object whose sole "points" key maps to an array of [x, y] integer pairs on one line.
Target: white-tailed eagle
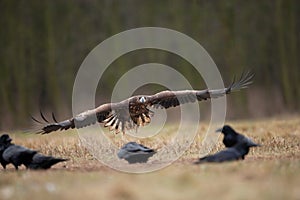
{"points": [[135, 111]]}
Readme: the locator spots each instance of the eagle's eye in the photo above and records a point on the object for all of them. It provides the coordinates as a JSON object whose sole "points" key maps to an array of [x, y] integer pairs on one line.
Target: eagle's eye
{"points": [[142, 99]]}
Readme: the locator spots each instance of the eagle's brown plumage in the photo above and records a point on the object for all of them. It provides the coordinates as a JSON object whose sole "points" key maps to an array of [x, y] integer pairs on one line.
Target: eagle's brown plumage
{"points": [[134, 111]]}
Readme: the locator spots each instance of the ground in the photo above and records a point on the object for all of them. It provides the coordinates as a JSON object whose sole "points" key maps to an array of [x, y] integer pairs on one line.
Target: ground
{"points": [[268, 172]]}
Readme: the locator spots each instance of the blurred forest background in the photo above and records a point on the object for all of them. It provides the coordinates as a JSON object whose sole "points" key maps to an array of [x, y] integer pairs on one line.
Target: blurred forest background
{"points": [[43, 44]]}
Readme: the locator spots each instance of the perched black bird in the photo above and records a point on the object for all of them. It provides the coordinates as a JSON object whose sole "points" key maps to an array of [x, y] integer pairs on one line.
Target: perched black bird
{"points": [[11, 153], [17, 155], [237, 152], [135, 153], [231, 137], [136, 111], [40, 161], [5, 141]]}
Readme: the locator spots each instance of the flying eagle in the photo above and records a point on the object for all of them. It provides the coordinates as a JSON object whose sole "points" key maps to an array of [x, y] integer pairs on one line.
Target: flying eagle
{"points": [[135, 111]]}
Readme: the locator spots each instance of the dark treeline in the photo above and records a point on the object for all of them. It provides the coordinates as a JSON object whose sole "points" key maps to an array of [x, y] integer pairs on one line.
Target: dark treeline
{"points": [[43, 44]]}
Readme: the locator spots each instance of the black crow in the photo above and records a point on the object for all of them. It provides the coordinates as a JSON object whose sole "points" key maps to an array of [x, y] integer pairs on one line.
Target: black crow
{"points": [[40, 161], [5, 141], [231, 137], [237, 152], [17, 155], [135, 153]]}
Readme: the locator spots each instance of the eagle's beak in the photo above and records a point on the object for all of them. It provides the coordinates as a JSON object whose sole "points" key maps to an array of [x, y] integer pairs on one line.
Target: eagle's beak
{"points": [[219, 130]]}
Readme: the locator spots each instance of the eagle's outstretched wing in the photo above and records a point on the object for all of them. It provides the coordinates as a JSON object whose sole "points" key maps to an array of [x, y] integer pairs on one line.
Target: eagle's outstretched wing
{"points": [[81, 120], [166, 99], [132, 113], [117, 118]]}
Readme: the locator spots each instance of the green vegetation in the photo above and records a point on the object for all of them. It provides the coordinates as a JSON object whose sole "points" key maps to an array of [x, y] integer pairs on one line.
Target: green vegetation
{"points": [[43, 44]]}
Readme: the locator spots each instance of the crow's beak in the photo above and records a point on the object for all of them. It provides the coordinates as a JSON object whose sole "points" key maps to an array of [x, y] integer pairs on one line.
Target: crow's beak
{"points": [[8, 140], [257, 145], [253, 144], [219, 130]]}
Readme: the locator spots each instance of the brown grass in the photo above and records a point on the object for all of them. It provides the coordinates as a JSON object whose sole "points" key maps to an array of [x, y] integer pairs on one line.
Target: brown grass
{"points": [[269, 172]]}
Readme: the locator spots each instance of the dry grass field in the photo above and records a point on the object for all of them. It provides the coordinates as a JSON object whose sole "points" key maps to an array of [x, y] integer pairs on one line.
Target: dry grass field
{"points": [[268, 172]]}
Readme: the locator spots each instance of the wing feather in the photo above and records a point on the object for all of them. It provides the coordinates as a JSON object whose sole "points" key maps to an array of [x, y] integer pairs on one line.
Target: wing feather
{"points": [[166, 99], [81, 120]]}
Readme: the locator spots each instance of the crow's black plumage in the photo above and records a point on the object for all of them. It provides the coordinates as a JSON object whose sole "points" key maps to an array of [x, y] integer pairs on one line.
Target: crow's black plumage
{"points": [[237, 152], [5, 141], [231, 137], [135, 153], [40, 161], [14, 154], [17, 155]]}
